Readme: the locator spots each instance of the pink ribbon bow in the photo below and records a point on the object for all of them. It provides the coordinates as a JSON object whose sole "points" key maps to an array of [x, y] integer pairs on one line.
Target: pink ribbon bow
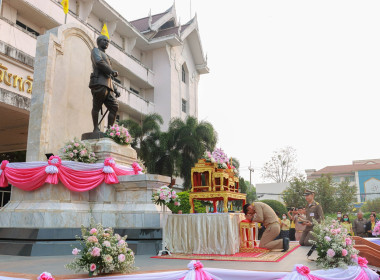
{"points": [[52, 170], [136, 167], [362, 262], [3, 180], [109, 172]]}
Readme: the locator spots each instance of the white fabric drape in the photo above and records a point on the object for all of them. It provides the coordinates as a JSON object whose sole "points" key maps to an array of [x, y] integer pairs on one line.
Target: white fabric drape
{"points": [[205, 233]]}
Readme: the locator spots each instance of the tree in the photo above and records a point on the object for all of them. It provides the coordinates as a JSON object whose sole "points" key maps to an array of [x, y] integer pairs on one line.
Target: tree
{"points": [[251, 192], [282, 166], [324, 193], [277, 206], [191, 139], [144, 135], [345, 196], [293, 195]]}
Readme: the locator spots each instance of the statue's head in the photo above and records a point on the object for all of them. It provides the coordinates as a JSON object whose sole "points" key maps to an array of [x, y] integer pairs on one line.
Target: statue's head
{"points": [[102, 42]]}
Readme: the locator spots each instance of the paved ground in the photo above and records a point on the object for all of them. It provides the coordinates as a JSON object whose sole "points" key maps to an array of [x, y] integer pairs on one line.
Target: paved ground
{"points": [[55, 265]]}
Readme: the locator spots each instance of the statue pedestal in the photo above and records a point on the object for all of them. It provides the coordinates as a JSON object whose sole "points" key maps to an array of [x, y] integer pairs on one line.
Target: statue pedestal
{"points": [[106, 147]]}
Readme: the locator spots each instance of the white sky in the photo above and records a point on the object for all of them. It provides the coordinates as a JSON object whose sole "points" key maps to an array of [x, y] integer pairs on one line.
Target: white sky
{"points": [[299, 73]]}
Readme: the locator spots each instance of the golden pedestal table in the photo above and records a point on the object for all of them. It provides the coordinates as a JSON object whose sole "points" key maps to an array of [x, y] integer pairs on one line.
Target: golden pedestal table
{"points": [[215, 196]]}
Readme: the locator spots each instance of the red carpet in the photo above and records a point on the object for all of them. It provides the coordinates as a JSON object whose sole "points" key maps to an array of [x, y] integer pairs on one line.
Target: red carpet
{"points": [[261, 255]]}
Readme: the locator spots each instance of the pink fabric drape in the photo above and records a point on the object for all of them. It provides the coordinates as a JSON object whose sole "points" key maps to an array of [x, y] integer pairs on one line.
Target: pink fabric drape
{"points": [[29, 179]]}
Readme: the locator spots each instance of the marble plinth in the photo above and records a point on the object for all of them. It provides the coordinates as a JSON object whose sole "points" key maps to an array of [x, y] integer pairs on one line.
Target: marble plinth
{"points": [[106, 147]]}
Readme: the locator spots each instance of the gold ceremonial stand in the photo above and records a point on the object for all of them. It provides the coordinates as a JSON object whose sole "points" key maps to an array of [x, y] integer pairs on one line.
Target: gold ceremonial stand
{"points": [[213, 184]]}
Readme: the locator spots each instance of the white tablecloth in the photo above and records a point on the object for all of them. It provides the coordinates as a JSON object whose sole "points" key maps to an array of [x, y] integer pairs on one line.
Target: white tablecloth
{"points": [[208, 233]]}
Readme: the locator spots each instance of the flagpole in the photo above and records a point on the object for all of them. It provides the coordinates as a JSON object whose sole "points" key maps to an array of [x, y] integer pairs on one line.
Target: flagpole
{"points": [[65, 18]]}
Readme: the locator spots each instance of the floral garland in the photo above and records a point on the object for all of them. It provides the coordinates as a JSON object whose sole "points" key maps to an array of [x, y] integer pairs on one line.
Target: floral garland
{"points": [[164, 196], [102, 252], [334, 246]]}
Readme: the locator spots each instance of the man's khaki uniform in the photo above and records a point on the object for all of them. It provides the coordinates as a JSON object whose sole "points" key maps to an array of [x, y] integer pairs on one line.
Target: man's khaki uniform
{"points": [[313, 211], [265, 214]]}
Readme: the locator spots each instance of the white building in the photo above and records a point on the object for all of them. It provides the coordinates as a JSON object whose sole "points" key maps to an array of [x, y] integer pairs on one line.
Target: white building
{"points": [[158, 59], [271, 190]]}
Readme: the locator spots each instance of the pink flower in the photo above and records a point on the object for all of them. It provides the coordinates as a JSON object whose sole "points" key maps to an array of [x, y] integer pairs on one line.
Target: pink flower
{"points": [[92, 239], [330, 253], [64, 150], [118, 133], [92, 267], [121, 242], [354, 256], [45, 276], [117, 128], [176, 203], [95, 252], [113, 128], [75, 251], [344, 252], [118, 237], [327, 238], [121, 258], [75, 151], [111, 134], [362, 262], [76, 144], [303, 270], [83, 152], [348, 241], [106, 244], [71, 154], [93, 231]]}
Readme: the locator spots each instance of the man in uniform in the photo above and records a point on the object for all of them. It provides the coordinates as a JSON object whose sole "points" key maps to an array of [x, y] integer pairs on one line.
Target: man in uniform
{"points": [[313, 211], [358, 225], [101, 84], [260, 212]]}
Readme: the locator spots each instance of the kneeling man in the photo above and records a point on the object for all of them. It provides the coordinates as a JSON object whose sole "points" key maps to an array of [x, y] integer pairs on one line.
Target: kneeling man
{"points": [[262, 213]]}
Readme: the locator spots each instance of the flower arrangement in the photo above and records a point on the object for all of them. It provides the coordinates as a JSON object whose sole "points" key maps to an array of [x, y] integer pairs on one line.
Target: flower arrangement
{"points": [[164, 196], [76, 150], [102, 252], [376, 229], [220, 158], [334, 246], [119, 134], [208, 157]]}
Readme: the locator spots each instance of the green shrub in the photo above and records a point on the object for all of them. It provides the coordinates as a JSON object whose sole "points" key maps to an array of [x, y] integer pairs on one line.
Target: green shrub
{"points": [[185, 204], [372, 205], [277, 206]]}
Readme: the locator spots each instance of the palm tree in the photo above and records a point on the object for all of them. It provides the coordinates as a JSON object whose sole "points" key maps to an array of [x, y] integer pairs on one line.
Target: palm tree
{"points": [[192, 139], [145, 136]]}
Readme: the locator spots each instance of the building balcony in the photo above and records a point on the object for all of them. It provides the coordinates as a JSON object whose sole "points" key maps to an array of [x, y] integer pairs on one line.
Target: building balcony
{"points": [[135, 105]]}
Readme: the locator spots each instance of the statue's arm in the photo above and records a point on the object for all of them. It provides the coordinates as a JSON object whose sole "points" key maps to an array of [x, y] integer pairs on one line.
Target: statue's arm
{"points": [[100, 62]]}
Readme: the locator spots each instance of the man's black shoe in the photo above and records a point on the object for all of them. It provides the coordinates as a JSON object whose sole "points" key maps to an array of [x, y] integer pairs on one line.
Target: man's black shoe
{"points": [[286, 244]]}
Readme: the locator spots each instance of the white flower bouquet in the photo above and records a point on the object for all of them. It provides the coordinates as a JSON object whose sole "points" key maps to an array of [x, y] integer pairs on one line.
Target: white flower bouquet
{"points": [[119, 134], [334, 246], [164, 196], [102, 252], [76, 150]]}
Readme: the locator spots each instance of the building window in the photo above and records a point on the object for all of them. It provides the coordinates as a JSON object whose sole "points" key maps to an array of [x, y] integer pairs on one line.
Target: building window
{"points": [[184, 105], [183, 73], [134, 90], [23, 26]]}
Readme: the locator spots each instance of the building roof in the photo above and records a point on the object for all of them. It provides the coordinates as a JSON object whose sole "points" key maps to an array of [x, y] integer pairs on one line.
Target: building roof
{"points": [[142, 24], [170, 31], [345, 169]]}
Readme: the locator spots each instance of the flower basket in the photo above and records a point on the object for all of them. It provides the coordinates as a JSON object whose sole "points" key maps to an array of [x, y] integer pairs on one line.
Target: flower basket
{"points": [[76, 150], [102, 251]]}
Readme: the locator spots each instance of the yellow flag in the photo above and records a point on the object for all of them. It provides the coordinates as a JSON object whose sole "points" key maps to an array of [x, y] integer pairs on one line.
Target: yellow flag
{"points": [[105, 31], [65, 4]]}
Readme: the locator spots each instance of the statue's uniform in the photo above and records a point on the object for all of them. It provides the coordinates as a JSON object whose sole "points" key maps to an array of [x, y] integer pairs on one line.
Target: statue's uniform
{"points": [[313, 211], [266, 215], [101, 83]]}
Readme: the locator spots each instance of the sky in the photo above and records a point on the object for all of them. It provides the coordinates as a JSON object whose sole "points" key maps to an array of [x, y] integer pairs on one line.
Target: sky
{"points": [[286, 73]]}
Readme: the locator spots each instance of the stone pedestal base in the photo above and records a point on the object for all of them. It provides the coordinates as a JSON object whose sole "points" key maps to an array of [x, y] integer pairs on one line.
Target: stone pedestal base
{"points": [[92, 135], [106, 147], [125, 206]]}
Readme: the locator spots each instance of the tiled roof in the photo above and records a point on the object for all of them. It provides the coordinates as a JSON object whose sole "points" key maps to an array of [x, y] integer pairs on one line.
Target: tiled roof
{"points": [[142, 24], [170, 31], [344, 169]]}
